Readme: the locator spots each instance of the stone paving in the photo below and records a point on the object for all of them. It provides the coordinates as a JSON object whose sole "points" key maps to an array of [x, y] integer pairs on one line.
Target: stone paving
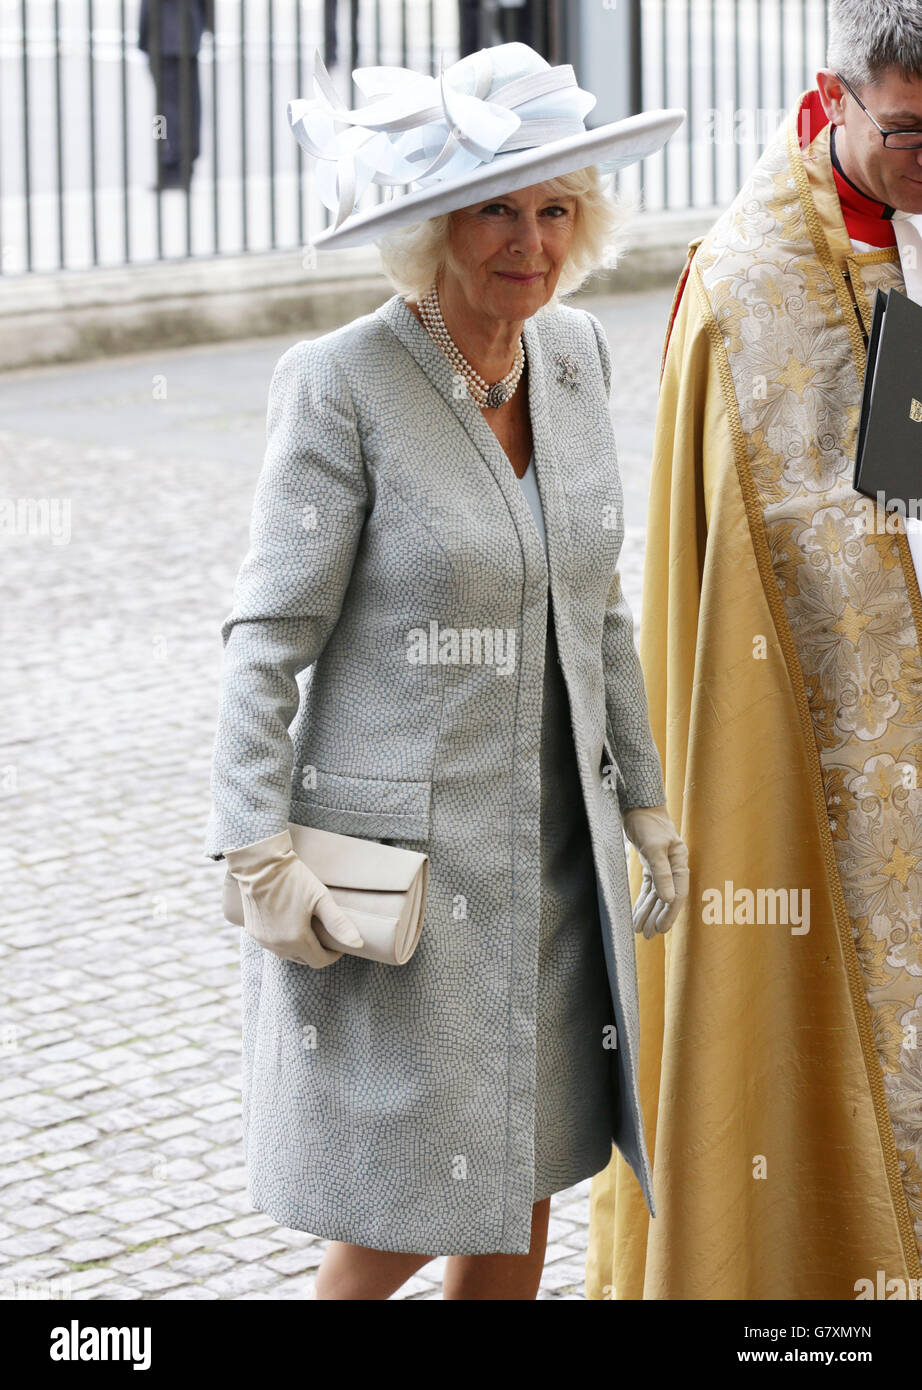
{"points": [[122, 1173]]}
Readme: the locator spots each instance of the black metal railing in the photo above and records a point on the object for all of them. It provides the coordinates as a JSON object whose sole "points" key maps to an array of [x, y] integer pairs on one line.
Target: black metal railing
{"points": [[115, 154]]}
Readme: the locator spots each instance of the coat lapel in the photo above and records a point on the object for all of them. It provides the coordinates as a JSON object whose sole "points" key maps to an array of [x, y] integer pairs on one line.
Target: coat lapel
{"points": [[404, 323]]}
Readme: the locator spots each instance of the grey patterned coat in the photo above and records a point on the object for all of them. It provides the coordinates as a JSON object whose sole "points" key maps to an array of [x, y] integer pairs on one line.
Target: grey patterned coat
{"points": [[393, 1106]]}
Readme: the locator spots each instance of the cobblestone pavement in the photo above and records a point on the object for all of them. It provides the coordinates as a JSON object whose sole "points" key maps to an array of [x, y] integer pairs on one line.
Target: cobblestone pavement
{"points": [[122, 1173]]}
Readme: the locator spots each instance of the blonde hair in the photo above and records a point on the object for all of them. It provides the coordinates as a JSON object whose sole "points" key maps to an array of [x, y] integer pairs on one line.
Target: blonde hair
{"points": [[413, 255]]}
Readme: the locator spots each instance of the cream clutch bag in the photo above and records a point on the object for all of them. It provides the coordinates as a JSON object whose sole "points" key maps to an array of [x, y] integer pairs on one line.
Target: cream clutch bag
{"points": [[381, 887]]}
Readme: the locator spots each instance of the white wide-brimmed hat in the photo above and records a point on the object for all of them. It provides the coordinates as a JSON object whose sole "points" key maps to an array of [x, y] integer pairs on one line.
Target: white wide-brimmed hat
{"points": [[496, 121]]}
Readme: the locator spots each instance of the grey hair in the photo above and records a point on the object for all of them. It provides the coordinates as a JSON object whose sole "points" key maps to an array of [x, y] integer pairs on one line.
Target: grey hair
{"points": [[866, 37], [413, 255]]}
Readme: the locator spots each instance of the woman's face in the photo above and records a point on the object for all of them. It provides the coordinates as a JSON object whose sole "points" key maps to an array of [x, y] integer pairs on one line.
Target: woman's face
{"points": [[505, 256]]}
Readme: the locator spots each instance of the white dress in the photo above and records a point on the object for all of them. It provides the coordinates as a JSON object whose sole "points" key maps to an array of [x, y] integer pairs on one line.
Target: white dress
{"points": [[573, 1105]]}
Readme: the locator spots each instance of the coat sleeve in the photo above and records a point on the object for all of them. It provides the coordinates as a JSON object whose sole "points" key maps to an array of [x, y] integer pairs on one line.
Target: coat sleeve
{"points": [[641, 780], [308, 512]]}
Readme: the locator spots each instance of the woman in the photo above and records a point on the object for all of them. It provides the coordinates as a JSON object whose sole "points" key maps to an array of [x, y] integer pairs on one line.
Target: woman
{"points": [[443, 466]]}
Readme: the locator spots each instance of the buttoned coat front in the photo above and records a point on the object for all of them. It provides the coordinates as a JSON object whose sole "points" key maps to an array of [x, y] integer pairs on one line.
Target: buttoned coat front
{"points": [[390, 545]]}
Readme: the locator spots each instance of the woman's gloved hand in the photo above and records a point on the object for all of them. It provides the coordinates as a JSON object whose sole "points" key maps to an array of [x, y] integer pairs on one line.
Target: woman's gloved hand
{"points": [[280, 895], [665, 868]]}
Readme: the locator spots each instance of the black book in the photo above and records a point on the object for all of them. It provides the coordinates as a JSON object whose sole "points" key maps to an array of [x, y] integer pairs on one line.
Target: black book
{"points": [[888, 458]]}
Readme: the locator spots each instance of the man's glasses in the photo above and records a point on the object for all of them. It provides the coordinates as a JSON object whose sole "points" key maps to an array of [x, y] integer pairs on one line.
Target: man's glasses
{"points": [[893, 139]]}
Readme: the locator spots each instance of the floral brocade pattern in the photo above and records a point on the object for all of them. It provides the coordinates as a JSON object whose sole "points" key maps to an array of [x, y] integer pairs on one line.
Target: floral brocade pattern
{"points": [[844, 591]]}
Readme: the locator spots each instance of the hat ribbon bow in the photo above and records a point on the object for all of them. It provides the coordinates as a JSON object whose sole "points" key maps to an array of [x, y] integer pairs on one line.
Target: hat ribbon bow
{"points": [[412, 118]]}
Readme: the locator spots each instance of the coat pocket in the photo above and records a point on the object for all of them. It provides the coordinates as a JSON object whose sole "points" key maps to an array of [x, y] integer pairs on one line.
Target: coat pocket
{"points": [[374, 807], [608, 761], [610, 774]]}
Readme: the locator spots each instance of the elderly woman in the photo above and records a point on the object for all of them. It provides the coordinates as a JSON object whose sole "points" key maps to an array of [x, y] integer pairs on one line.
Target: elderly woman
{"points": [[446, 465]]}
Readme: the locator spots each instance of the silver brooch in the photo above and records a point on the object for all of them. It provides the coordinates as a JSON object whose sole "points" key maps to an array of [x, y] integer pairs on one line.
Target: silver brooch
{"points": [[567, 370]]}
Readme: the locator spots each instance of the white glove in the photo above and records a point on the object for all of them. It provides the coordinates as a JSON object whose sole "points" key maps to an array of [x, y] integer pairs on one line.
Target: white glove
{"points": [[280, 895], [665, 868]]}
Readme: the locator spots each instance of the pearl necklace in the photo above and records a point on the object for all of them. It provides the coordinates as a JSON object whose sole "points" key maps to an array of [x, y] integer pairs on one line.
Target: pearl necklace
{"points": [[482, 392]]}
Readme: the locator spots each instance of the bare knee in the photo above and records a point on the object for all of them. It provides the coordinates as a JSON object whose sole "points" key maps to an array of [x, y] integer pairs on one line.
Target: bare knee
{"points": [[358, 1272], [501, 1276]]}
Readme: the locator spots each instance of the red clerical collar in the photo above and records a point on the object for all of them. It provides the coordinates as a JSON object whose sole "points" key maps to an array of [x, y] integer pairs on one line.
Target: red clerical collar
{"points": [[865, 218]]}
